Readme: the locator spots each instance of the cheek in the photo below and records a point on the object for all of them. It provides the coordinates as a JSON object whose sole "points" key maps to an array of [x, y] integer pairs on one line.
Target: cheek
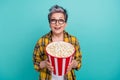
{"points": [[64, 26], [50, 26]]}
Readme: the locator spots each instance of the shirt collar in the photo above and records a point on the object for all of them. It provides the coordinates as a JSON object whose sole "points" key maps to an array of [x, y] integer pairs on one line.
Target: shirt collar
{"points": [[50, 35]]}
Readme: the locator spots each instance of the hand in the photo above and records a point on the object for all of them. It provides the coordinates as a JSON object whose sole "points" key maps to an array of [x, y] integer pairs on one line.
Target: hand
{"points": [[73, 64], [49, 66], [46, 64]]}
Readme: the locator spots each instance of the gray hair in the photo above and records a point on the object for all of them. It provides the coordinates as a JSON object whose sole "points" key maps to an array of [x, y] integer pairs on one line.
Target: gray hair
{"points": [[57, 9]]}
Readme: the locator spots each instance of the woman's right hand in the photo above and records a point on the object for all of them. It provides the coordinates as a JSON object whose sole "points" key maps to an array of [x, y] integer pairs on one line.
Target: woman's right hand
{"points": [[46, 64], [49, 66]]}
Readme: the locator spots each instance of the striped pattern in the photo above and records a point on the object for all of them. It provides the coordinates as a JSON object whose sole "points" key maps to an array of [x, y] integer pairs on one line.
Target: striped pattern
{"points": [[60, 64]]}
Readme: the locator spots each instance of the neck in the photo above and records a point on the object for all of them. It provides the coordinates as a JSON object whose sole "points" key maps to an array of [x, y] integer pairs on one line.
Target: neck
{"points": [[57, 37]]}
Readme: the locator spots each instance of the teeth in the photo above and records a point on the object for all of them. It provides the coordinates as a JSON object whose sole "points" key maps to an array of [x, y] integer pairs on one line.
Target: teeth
{"points": [[57, 28]]}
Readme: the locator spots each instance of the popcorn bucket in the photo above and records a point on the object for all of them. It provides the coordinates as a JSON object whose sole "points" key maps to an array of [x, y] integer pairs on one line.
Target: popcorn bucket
{"points": [[60, 54]]}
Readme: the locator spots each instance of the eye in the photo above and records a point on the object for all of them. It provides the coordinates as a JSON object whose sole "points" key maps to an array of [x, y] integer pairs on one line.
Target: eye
{"points": [[53, 21], [61, 21]]}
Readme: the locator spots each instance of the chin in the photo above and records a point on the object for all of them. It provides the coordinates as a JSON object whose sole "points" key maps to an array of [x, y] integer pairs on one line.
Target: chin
{"points": [[58, 32]]}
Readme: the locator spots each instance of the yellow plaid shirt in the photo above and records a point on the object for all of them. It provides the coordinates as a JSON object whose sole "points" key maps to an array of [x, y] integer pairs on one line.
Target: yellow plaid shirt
{"points": [[40, 55]]}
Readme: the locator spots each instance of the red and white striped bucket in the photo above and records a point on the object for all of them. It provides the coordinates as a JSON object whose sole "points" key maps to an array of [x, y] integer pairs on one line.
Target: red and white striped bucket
{"points": [[60, 64]]}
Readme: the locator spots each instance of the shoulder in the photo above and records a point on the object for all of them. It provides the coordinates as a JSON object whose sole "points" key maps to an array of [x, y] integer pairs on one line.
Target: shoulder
{"points": [[44, 38], [72, 37]]}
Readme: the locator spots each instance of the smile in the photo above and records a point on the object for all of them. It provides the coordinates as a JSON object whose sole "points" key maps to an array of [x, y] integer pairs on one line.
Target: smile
{"points": [[57, 28]]}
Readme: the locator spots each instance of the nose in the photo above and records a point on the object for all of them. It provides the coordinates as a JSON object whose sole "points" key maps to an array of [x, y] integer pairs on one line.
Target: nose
{"points": [[57, 23]]}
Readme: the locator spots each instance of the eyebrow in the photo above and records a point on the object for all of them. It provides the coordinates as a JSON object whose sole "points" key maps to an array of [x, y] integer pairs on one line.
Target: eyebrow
{"points": [[55, 18]]}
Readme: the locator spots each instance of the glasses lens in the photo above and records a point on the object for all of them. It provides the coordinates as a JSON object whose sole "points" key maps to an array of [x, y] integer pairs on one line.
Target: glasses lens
{"points": [[61, 21], [54, 21]]}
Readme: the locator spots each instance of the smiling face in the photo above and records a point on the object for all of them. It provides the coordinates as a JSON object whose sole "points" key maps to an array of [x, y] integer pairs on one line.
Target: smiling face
{"points": [[57, 23]]}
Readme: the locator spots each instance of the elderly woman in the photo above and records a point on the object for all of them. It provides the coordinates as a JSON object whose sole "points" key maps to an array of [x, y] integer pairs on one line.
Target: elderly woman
{"points": [[57, 20]]}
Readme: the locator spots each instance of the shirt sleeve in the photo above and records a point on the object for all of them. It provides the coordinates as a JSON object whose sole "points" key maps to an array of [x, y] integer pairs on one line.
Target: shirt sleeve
{"points": [[36, 58], [38, 55], [78, 55]]}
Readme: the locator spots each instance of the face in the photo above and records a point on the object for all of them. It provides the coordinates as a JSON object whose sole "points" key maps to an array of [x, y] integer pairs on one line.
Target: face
{"points": [[57, 23]]}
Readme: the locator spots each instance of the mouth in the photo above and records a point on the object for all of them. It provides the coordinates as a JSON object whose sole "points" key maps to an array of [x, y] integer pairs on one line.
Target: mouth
{"points": [[57, 28]]}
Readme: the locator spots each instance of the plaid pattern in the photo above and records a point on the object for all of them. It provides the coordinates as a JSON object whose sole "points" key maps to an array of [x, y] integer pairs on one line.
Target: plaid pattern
{"points": [[40, 55]]}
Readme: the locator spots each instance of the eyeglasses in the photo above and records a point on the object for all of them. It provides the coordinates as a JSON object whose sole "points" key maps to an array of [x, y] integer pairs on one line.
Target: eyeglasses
{"points": [[54, 21]]}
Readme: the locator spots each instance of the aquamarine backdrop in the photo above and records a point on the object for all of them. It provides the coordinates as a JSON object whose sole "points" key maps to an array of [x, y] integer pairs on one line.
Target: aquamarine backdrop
{"points": [[96, 24]]}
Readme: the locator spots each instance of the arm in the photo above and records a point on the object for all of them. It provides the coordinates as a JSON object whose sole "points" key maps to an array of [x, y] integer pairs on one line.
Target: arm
{"points": [[40, 58], [78, 55], [76, 62], [36, 57]]}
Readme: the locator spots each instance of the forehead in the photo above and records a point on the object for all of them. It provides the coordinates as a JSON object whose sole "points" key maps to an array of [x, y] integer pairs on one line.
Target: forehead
{"points": [[57, 15]]}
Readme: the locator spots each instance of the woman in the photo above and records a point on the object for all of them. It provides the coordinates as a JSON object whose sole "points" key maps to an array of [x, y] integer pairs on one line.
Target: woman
{"points": [[57, 21]]}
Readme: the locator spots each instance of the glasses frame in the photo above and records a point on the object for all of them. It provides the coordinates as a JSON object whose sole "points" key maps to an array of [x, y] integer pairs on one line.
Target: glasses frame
{"points": [[54, 21]]}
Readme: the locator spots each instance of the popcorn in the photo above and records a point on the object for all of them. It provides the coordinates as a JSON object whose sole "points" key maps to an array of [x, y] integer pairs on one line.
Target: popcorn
{"points": [[60, 49], [60, 54]]}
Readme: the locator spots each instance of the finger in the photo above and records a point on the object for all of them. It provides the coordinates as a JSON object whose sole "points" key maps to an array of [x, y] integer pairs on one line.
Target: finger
{"points": [[50, 69], [48, 63], [49, 66], [67, 71], [70, 63], [69, 68], [73, 58]]}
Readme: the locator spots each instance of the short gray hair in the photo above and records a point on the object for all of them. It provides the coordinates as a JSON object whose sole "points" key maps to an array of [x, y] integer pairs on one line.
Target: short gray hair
{"points": [[57, 9]]}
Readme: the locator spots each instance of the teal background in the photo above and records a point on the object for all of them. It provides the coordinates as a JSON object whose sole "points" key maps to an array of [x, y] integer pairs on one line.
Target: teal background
{"points": [[96, 24]]}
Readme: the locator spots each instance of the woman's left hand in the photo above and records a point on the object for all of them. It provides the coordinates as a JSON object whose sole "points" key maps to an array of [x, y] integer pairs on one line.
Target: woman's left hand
{"points": [[73, 64]]}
